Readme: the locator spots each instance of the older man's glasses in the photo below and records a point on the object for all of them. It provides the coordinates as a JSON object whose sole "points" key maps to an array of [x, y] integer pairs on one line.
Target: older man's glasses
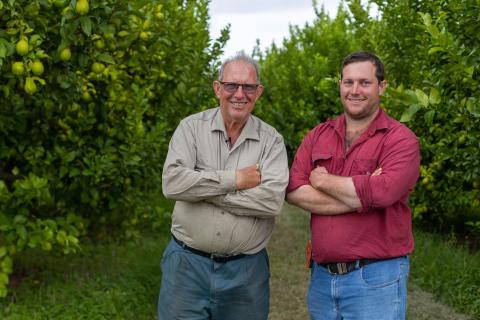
{"points": [[248, 88]]}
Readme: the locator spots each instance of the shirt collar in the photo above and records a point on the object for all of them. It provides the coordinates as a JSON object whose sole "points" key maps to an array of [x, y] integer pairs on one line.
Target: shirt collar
{"points": [[248, 132], [379, 123]]}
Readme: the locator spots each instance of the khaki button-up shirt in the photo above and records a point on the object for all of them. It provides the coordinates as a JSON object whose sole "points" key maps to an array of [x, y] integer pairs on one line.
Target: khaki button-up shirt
{"points": [[199, 173]]}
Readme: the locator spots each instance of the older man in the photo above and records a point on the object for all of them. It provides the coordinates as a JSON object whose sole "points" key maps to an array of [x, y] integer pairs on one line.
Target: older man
{"points": [[227, 171]]}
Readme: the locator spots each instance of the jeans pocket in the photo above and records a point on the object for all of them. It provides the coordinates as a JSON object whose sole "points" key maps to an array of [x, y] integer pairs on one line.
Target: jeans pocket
{"points": [[381, 274]]}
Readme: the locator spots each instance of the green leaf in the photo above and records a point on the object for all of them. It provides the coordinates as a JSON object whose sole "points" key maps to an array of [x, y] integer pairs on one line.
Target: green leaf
{"points": [[3, 281], [428, 116], [422, 98], [434, 96], [106, 58], [409, 113], [435, 49], [21, 232], [470, 70], [3, 50], [19, 219], [86, 24], [83, 60], [70, 156]]}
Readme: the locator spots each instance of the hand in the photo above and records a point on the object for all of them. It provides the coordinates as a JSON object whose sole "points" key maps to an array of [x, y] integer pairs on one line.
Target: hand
{"points": [[377, 172], [248, 177], [317, 175]]}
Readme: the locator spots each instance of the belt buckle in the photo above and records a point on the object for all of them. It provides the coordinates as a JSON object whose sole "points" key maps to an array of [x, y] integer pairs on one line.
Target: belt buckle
{"points": [[341, 268], [218, 258]]}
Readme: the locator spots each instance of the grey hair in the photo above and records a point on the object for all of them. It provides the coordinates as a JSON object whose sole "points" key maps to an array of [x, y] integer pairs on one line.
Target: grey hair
{"points": [[240, 56]]}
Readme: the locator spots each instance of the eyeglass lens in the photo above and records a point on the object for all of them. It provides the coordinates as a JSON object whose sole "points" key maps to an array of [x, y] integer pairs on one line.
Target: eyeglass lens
{"points": [[233, 87]]}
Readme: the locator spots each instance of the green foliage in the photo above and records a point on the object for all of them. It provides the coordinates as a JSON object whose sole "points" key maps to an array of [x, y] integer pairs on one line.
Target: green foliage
{"points": [[301, 77], [91, 92], [104, 281], [448, 270], [430, 50], [438, 96]]}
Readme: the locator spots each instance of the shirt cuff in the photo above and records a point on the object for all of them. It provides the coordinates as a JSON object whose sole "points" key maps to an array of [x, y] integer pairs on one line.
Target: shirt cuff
{"points": [[363, 192], [227, 180]]}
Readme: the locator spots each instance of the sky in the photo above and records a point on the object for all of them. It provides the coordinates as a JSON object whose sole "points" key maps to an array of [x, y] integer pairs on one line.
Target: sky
{"points": [[266, 20]]}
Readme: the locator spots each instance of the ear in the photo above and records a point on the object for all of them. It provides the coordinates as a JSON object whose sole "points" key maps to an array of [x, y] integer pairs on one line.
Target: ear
{"points": [[382, 86], [259, 91], [216, 88]]}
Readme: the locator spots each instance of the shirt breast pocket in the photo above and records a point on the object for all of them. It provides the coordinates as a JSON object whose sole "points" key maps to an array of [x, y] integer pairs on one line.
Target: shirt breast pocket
{"points": [[363, 166], [322, 160]]}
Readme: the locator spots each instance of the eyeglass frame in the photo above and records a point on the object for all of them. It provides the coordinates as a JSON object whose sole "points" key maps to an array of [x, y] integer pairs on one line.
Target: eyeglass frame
{"points": [[237, 85]]}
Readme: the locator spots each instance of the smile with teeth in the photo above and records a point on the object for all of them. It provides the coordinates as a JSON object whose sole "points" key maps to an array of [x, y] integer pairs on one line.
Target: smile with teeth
{"points": [[238, 103], [356, 100]]}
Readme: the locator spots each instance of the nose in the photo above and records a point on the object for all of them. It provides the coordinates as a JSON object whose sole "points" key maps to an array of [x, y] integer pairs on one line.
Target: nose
{"points": [[355, 87], [239, 92]]}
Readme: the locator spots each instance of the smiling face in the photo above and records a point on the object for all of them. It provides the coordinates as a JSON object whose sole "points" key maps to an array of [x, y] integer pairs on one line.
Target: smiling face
{"points": [[237, 106], [360, 90]]}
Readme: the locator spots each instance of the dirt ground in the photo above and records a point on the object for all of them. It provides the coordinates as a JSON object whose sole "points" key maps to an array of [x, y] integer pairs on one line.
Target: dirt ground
{"points": [[289, 277]]}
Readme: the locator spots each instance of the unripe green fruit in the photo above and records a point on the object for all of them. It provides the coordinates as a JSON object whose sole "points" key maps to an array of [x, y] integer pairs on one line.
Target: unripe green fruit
{"points": [[144, 35], [17, 68], [22, 47], [100, 44], [65, 54], [82, 7], [86, 96], [98, 67], [37, 67], [30, 86]]}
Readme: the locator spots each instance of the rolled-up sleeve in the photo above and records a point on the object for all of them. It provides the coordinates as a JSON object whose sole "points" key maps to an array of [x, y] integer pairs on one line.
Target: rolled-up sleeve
{"points": [[301, 166], [265, 200], [180, 180], [400, 163]]}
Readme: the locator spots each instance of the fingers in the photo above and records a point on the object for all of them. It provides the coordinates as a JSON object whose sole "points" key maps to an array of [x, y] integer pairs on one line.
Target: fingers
{"points": [[248, 177], [377, 172]]}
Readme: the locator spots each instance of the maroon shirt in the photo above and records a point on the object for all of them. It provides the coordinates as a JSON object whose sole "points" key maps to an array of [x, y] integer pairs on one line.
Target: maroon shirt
{"points": [[382, 228]]}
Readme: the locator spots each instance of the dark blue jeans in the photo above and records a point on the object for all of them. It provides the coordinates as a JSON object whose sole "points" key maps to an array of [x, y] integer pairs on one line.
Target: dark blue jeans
{"points": [[196, 288], [376, 291]]}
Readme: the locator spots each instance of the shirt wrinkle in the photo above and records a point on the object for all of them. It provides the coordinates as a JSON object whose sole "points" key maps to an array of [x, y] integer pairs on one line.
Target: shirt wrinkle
{"points": [[384, 214], [210, 214]]}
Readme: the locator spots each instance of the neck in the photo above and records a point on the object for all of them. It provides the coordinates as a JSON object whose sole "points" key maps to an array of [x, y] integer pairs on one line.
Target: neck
{"points": [[359, 124], [355, 128], [234, 129]]}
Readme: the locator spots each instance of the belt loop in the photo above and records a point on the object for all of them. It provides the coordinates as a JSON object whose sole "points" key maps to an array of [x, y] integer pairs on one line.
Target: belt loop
{"points": [[357, 264]]}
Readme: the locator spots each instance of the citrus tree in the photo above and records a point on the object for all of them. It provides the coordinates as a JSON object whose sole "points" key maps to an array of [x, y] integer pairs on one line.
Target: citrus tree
{"points": [[430, 50], [91, 91], [301, 76], [433, 65]]}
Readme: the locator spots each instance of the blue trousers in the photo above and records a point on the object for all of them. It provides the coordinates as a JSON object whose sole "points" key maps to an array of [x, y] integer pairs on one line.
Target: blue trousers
{"points": [[375, 291], [197, 288]]}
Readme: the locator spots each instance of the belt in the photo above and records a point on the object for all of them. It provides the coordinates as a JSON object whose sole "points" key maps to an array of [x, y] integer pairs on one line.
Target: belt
{"points": [[211, 256], [339, 268]]}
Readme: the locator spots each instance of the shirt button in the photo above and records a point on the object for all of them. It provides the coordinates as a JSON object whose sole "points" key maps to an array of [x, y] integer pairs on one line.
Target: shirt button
{"points": [[223, 212], [218, 234]]}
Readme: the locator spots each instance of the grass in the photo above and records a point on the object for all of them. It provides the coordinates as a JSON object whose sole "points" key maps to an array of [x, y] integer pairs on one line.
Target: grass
{"points": [[122, 280], [448, 270], [114, 281]]}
